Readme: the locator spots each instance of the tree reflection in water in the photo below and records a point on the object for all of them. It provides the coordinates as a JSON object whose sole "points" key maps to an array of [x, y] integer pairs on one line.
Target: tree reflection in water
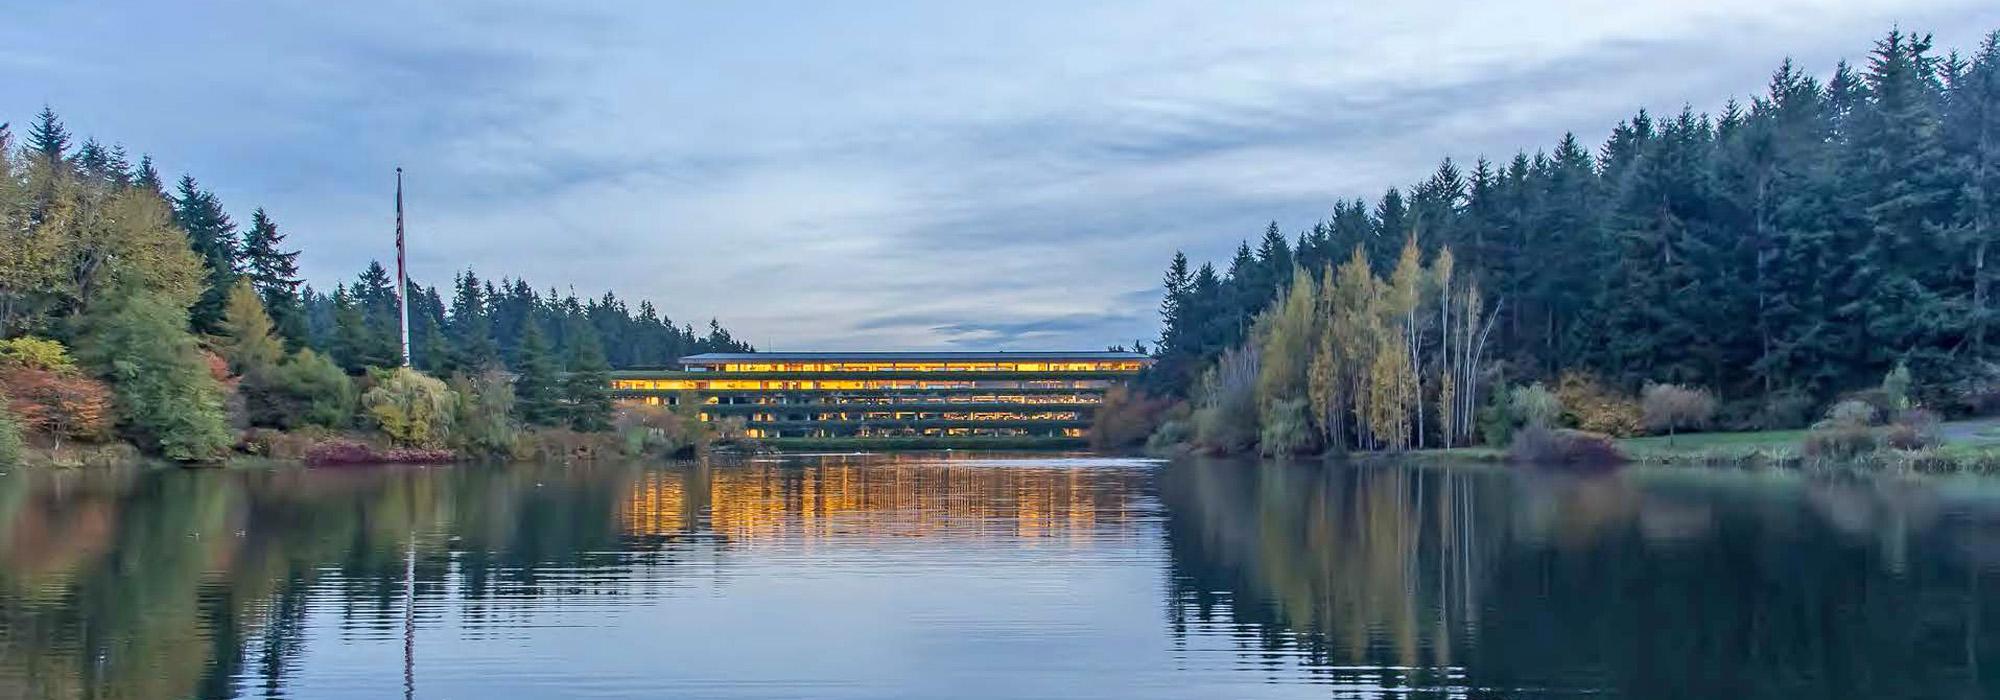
{"points": [[151, 584], [1667, 584]]}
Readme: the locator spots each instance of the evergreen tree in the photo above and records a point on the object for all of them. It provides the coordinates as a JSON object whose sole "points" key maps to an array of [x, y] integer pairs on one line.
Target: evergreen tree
{"points": [[1894, 307], [469, 330], [48, 138], [213, 237], [274, 272], [148, 178], [587, 387], [537, 381]]}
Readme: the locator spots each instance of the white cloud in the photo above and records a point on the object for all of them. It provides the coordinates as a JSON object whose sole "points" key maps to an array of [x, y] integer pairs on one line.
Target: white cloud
{"points": [[860, 177]]}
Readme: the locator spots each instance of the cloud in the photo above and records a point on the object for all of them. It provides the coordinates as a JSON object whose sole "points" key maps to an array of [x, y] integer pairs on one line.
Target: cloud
{"points": [[910, 175]]}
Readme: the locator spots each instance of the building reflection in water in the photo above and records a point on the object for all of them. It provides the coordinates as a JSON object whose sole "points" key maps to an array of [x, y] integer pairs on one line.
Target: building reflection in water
{"points": [[151, 584], [804, 500]]}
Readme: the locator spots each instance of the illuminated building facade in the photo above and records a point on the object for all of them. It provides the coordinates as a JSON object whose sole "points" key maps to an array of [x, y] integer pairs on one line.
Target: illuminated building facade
{"points": [[782, 395]]}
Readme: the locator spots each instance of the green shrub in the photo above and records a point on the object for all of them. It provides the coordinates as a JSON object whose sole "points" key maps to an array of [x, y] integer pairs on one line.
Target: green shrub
{"points": [[10, 436], [168, 401], [1534, 405], [485, 425], [1785, 410], [306, 390], [1287, 429], [413, 409], [30, 352], [1496, 418], [1172, 433], [1896, 387]]}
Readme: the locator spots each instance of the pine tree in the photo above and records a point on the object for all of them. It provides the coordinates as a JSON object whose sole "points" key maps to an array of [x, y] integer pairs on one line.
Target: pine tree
{"points": [[213, 237], [537, 381], [1974, 131], [274, 272], [148, 178], [469, 330], [1896, 158], [48, 138], [587, 387]]}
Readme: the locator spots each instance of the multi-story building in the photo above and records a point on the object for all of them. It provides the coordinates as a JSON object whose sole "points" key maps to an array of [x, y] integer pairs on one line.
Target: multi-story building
{"points": [[891, 394]]}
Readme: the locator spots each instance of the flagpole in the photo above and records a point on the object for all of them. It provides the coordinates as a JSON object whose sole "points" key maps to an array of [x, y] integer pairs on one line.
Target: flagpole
{"points": [[402, 274]]}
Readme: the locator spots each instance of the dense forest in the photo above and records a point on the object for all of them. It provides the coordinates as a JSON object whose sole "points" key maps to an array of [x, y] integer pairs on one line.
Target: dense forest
{"points": [[1778, 253], [132, 309]]}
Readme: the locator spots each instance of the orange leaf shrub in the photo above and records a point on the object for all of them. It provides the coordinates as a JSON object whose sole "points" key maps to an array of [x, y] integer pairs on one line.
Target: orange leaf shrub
{"points": [[1594, 407], [58, 403]]}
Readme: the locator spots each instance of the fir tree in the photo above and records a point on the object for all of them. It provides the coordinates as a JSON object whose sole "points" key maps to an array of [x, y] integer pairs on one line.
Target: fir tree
{"points": [[469, 330], [537, 381], [213, 237], [274, 272], [48, 138], [587, 387]]}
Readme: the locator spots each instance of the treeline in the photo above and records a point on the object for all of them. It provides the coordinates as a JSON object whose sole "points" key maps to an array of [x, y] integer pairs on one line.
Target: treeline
{"points": [[1778, 253], [127, 308], [482, 323]]}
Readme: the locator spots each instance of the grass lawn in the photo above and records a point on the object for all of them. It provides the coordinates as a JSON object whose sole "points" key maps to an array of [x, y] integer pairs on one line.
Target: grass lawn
{"points": [[1702, 442]]}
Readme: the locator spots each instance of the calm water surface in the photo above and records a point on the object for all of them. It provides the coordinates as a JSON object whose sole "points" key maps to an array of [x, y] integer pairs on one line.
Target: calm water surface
{"points": [[976, 576]]}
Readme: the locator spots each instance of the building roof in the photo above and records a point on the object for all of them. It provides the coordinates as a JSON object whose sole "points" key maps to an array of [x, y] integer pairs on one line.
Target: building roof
{"points": [[709, 358]]}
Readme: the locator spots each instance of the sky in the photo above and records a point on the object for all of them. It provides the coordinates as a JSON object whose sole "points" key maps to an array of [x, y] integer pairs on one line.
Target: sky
{"points": [[874, 175]]}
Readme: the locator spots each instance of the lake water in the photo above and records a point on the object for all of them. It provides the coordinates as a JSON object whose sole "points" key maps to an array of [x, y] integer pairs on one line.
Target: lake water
{"points": [[993, 576]]}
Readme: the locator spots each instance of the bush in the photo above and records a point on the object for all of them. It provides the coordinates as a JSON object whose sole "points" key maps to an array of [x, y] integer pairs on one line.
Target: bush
{"points": [[1544, 446], [1224, 430], [1173, 433], [10, 435], [1126, 418], [413, 409], [485, 425], [1838, 441], [1896, 387], [1534, 405], [1850, 413], [29, 352], [1496, 418], [58, 404], [1907, 437], [1978, 393], [1783, 411], [346, 452], [565, 445], [655, 430], [1287, 429], [1671, 407], [168, 402], [1227, 419], [306, 390], [1593, 407], [1912, 429]]}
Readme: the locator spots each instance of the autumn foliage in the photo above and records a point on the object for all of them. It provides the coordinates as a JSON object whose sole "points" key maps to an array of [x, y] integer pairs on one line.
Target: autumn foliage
{"points": [[1596, 408], [63, 405], [47, 394]]}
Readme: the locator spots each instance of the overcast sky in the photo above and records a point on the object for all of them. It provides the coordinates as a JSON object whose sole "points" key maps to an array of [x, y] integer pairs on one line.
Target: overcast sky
{"points": [[873, 175]]}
